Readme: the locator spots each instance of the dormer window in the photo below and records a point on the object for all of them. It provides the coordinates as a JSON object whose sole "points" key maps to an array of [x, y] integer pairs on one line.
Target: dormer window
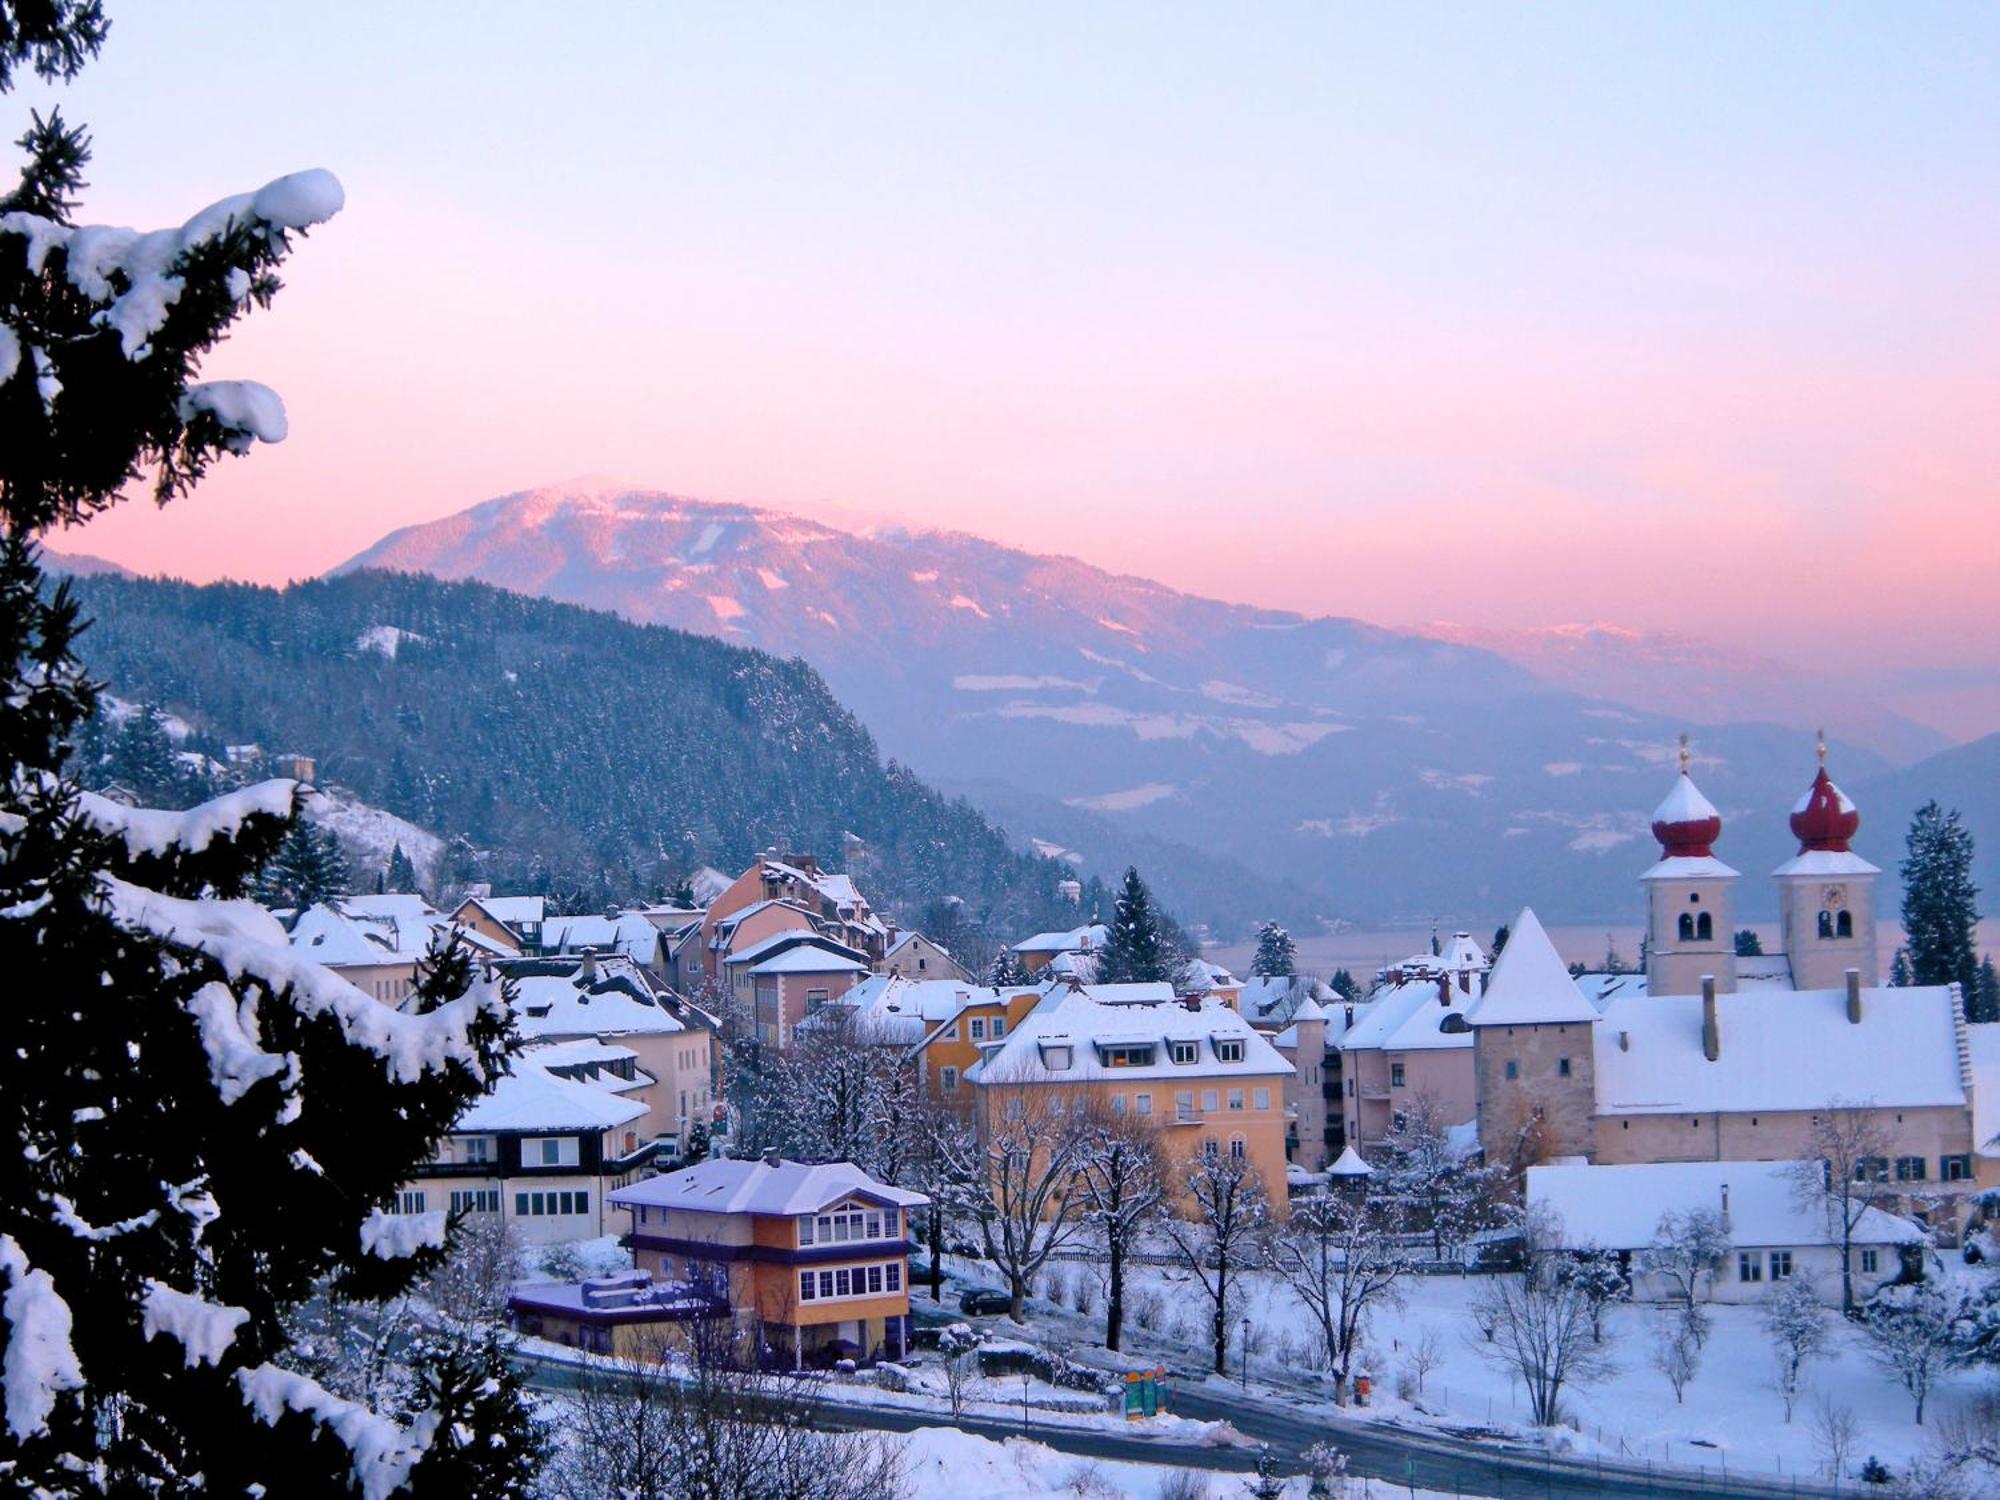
{"points": [[1229, 1050], [1058, 1059], [1129, 1055], [1185, 1053]]}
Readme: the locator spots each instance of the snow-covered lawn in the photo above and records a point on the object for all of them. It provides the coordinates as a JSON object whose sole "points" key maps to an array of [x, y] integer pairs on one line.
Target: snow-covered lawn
{"points": [[1731, 1412]]}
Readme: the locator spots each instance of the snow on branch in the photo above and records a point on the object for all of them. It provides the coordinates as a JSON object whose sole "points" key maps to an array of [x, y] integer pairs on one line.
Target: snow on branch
{"points": [[248, 943], [133, 274], [205, 1330], [383, 1452], [147, 831], [399, 1236], [40, 1362], [245, 410], [229, 1037]]}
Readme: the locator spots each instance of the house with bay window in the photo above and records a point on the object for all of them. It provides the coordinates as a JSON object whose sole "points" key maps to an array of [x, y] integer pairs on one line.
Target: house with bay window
{"points": [[813, 1259]]}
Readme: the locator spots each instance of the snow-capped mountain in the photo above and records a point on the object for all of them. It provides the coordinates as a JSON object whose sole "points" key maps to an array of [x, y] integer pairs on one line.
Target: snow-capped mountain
{"points": [[1394, 774]]}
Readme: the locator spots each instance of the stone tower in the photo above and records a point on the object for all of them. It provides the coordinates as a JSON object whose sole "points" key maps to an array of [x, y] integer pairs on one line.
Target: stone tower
{"points": [[1826, 892], [1690, 928]]}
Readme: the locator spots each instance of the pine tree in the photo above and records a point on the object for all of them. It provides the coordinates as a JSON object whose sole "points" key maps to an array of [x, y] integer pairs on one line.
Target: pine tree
{"points": [[1137, 951], [143, 758], [1899, 970], [1500, 936], [1939, 901], [307, 869], [1748, 944], [1277, 956], [1007, 970], [401, 876], [1984, 1004], [1344, 984], [204, 1127]]}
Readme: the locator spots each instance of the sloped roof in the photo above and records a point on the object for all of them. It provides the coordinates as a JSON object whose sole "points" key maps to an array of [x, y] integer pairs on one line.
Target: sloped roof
{"points": [[1082, 1021], [1794, 1051], [530, 1098], [1407, 1018], [630, 933], [617, 1001], [515, 910], [1077, 940], [808, 958], [724, 1186], [1619, 1207], [1530, 984]]}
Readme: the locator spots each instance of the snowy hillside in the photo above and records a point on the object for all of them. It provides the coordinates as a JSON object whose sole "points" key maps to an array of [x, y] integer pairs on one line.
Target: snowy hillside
{"points": [[1350, 761]]}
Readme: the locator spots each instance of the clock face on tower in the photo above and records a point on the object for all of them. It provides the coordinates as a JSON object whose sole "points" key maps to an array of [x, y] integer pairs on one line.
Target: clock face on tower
{"points": [[1833, 897]]}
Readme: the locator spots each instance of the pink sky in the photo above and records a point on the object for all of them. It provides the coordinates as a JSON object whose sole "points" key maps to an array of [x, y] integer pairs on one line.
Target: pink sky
{"points": [[1321, 315]]}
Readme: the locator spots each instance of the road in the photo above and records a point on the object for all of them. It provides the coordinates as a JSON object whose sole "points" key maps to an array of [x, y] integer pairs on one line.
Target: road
{"points": [[1287, 1426]]}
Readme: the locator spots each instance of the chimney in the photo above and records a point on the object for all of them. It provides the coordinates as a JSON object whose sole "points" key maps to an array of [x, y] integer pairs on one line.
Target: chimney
{"points": [[588, 973], [1725, 1205], [1711, 1030], [1854, 997], [770, 1156], [1350, 1017], [1444, 989], [1624, 1041]]}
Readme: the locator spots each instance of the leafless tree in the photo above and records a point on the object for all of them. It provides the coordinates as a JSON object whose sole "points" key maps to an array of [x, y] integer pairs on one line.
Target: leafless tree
{"points": [[1218, 1240], [1835, 1434], [1795, 1323], [1342, 1257], [1677, 1348], [1844, 1173], [959, 1352], [1445, 1193], [1541, 1330], [1019, 1181], [942, 1161], [479, 1270], [1426, 1354], [1687, 1246], [690, 1422], [1121, 1178], [1913, 1334]]}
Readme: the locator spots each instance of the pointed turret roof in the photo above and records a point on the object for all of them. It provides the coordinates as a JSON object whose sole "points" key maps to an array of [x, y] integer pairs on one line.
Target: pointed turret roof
{"points": [[1349, 1164], [1530, 984]]}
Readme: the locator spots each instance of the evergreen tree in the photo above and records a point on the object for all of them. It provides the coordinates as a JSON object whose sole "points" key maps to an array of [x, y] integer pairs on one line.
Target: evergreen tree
{"points": [[307, 869], [1899, 970], [143, 758], [1500, 936], [1939, 901], [1137, 951], [1344, 984], [1748, 944], [1007, 970], [401, 876], [204, 1126], [1984, 1004], [1277, 956]]}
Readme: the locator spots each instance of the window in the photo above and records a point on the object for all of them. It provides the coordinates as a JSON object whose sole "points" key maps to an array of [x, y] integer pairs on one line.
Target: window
{"points": [[948, 1079], [1871, 1262], [875, 1280], [806, 1229], [1513, 1069], [999, 1027], [893, 1275], [1210, 1100], [815, 998], [1261, 1098], [1749, 1266], [549, 1151], [1909, 1169], [1781, 1264], [1954, 1168], [975, 1029], [1871, 1169], [1704, 927], [805, 1286], [1184, 1103], [842, 1227], [1236, 1099], [1117, 1104], [843, 1283], [1139, 1056], [1057, 1059], [826, 1283], [1230, 1050], [1016, 1108], [1211, 1148], [1826, 924], [1055, 1104], [1237, 1147], [1142, 1103], [478, 1149], [872, 1227], [476, 1201], [1395, 1075], [410, 1201], [1843, 924], [1686, 928], [1186, 1052]]}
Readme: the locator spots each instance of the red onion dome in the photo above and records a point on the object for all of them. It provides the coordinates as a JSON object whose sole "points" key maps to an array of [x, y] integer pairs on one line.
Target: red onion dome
{"points": [[1686, 823], [1824, 819]]}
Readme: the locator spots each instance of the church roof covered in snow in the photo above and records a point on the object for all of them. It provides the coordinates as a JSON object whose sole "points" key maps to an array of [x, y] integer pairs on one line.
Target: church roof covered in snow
{"points": [[1530, 984]]}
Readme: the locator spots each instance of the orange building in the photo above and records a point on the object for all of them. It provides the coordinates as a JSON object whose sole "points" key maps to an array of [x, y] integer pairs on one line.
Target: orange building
{"points": [[815, 1259]]}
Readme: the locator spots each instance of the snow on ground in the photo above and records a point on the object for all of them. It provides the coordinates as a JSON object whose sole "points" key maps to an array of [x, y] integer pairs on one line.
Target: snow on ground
{"points": [[369, 834], [1731, 1410]]}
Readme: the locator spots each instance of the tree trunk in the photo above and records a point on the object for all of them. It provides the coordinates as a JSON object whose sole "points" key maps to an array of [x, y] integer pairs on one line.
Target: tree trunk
{"points": [[1340, 1381], [1114, 1302], [937, 1254], [1221, 1336], [1017, 1287]]}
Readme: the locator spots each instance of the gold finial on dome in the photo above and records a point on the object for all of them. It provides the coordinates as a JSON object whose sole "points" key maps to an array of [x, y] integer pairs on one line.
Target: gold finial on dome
{"points": [[1822, 749], [1685, 756]]}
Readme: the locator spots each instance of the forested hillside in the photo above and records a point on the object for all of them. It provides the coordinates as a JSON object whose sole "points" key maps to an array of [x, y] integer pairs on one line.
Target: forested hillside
{"points": [[556, 748]]}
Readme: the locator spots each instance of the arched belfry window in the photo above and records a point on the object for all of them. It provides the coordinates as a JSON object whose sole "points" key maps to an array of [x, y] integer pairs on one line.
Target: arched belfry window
{"points": [[1826, 924], [1704, 926], [1843, 924], [1687, 927]]}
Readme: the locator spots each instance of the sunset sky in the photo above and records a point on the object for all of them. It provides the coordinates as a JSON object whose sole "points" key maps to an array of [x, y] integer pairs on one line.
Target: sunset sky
{"points": [[1683, 319]]}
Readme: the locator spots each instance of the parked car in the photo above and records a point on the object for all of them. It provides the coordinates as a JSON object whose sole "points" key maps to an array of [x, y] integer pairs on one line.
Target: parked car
{"points": [[979, 1301]]}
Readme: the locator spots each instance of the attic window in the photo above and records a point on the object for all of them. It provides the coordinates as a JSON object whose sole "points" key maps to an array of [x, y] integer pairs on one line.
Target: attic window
{"points": [[1186, 1052], [1454, 1023], [1229, 1051], [1057, 1059], [1130, 1056]]}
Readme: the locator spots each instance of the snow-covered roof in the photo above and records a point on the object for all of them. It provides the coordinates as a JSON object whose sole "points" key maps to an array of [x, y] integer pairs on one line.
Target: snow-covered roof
{"points": [[1530, 984], [1080, 1020], [725, 926], [796, 937], [355, 931], [396, 905], [1684, 803], [897, 1009], [1076, 940], [1407, 1017], [1985, 1046], [1273, 999], [1766, 970], [725, 1186], [554, 1000], [1619, 1207], [707, 883], [808, 958], [630, 933], [531, 1098], [1690, 867], [1601, 988], [515, 911], [1903, 1052], [1349, 1164], [1823, 862]]}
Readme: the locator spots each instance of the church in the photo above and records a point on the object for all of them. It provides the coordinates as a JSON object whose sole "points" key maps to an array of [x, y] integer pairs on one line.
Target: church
{"points": [[1721, 1058]]}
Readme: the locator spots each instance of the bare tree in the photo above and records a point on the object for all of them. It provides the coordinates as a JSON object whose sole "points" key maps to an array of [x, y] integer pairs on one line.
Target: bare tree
{"points": [[1342, 1257], [1677, 1348], [959, 1350], [1019, 1181], [1121, 1178], [1844, 1174], [1445, 1193], [1426, 1354], [1913, 1334], [1687, 1247], [1227, 1213], [1835, 1434], [1541, 1330], [691, 1423], [471, 1287], [1795, 1323]]}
